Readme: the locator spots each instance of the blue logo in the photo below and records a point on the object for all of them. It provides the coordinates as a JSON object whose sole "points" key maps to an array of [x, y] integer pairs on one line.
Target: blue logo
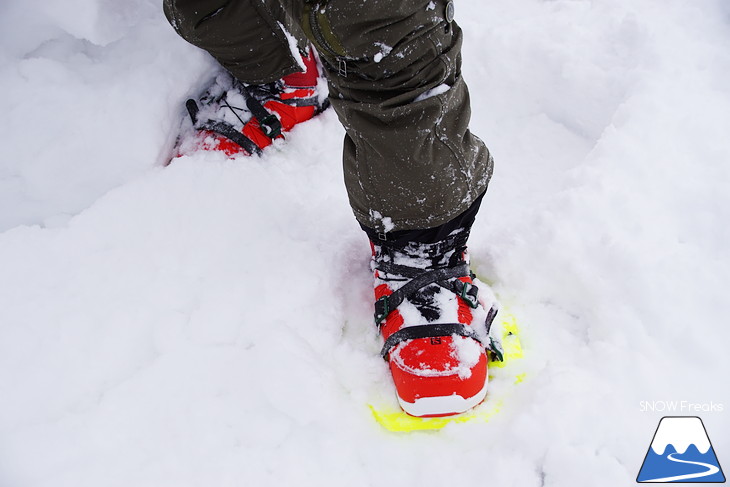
{"points": [[681, 452]]}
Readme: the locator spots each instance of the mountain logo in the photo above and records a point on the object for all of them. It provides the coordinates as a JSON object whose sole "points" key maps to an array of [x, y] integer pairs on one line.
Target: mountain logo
{"points": [[681, 452]]}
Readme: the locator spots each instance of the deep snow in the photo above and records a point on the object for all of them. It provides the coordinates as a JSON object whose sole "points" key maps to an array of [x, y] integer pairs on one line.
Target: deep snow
{"points": [[209, 323]]}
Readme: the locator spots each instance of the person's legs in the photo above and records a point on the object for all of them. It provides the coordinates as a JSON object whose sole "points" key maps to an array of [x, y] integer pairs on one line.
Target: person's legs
{"points": [[394, 69], [271, 83], [414, 173], [415, 176], [242, 35]]}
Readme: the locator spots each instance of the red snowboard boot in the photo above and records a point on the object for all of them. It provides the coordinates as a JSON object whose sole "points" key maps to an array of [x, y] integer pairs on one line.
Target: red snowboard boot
{"points": [[434, 317], [237, 118]]}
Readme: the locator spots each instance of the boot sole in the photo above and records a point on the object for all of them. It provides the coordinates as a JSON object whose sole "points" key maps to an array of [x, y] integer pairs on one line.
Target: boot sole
{"points": [[442, 405]]}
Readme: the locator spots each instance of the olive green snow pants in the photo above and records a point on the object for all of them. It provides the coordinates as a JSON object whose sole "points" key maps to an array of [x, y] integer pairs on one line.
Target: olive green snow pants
{"points": [[394, 74]]}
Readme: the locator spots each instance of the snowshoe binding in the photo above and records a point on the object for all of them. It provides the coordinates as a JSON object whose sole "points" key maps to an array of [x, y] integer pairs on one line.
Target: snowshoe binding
{"points": [[435, 318]]}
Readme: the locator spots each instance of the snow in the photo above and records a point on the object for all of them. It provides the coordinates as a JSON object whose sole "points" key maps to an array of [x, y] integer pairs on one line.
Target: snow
{"points": [[385, 221], [467, 353], [210, 323], [293, 46], [384, 51], [438, 90]]}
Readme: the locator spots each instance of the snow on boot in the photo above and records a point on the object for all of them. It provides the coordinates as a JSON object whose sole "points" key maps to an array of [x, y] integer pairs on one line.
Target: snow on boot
{"points": [[236, 118], [435, 319]]}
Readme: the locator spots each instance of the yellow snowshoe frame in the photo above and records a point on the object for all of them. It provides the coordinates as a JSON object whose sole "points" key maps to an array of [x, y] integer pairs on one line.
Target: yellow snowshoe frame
{"points": [[395, 419]]}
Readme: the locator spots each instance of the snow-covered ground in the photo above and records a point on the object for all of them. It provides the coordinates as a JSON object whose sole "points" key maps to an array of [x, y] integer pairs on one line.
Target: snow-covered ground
{"points": [[209, 323]]}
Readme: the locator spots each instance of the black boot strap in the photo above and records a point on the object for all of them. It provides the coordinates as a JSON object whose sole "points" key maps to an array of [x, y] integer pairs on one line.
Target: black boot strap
{"points": [[270, 125], [433, 331], [221, 128], [419, 279]]}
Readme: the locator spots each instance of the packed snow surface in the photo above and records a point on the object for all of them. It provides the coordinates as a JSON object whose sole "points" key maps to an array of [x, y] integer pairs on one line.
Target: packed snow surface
{"points": [[210, 323]]}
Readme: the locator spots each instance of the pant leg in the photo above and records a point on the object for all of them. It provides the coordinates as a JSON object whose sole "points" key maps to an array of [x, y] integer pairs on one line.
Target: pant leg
{"points": [[409, 163], [244, 36], [394, 68]]}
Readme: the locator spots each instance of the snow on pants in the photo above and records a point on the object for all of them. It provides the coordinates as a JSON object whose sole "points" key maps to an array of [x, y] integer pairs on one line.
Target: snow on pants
{"points": [[394, 74]]}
